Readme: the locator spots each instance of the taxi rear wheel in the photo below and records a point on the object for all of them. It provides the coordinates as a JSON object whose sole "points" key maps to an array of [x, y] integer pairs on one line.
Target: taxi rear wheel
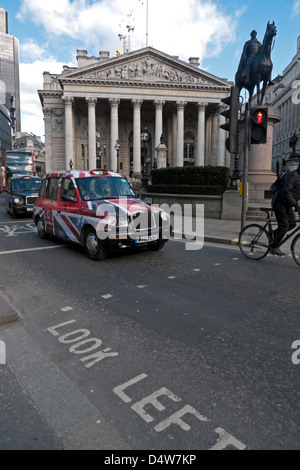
{"points": [[92, 245]]}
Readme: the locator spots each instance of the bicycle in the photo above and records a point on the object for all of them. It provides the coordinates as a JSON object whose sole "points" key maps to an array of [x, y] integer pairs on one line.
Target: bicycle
{"points": [[255, 240]]}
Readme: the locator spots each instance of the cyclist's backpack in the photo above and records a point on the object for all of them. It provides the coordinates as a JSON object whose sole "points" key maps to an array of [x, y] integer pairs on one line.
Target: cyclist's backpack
{"points": [[277, 184]]}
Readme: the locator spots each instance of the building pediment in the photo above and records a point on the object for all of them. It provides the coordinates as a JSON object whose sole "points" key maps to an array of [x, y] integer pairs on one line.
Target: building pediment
{"points": [[144, 66]]}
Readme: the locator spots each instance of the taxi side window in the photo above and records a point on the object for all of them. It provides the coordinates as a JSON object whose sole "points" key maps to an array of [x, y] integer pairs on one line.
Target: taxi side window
{"points": [[67, 188], [52, 187], [42, 188]]}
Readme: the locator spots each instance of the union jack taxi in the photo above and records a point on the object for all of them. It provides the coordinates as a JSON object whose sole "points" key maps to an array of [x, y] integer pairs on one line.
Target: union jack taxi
{"points": [[99, 210]]}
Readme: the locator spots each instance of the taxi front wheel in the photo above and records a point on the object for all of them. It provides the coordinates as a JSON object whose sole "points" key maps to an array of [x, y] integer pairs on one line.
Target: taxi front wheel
{"points": [[92, 245]]}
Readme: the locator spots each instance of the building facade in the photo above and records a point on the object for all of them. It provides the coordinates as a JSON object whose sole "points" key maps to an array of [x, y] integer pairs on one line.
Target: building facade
{"points": [[88, 108], [284, 97], [9, 71], [5, 131]]}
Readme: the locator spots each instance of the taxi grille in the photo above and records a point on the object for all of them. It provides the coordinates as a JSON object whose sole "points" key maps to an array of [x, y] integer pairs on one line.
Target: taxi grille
{"points": [[143, 220], [30, 200]]}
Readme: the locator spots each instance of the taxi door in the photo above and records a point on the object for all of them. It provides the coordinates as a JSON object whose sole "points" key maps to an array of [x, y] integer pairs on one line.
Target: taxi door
{"points": [[68, 220], [50, 204]]}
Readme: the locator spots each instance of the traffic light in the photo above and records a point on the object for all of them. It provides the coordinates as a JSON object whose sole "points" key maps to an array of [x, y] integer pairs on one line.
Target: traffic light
{"points": [[232, 115], [259, 125]]}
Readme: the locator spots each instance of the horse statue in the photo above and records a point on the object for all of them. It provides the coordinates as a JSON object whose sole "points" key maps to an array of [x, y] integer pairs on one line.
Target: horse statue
{"points": [[255, 65]]}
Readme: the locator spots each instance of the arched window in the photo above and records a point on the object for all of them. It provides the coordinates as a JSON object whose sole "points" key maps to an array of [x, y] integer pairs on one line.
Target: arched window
{"points": [[189, 149]]}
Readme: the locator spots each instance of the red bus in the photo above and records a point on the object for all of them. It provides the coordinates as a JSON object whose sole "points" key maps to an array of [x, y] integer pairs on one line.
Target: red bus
{"points": [[1, 178], [18, 162]]}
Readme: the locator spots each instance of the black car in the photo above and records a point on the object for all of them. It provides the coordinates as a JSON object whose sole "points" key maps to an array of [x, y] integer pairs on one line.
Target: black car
{"points": [[20, 194]]}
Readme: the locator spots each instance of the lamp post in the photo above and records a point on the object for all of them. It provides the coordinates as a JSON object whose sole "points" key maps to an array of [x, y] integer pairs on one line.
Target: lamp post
{"points": [[99, 154], [117, 148], [145, 176]]}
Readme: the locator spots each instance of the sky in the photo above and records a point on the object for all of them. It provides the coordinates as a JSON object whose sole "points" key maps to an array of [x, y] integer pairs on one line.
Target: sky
{"points": [[51, 31]]}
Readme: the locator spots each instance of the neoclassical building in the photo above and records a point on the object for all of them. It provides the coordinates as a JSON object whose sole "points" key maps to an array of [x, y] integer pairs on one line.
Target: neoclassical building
{"points": [[284, 96], [104, 99]]}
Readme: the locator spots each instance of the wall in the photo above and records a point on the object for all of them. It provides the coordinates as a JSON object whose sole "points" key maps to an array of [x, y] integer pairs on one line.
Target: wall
{"points": [[212, 204]]}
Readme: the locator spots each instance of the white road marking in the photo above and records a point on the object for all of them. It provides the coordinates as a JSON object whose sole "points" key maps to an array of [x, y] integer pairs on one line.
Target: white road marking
{"points": [[30, 249], [66, 309]]}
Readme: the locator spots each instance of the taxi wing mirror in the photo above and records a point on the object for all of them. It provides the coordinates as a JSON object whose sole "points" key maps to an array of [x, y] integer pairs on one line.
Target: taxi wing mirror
{"points": [[69, 198]]}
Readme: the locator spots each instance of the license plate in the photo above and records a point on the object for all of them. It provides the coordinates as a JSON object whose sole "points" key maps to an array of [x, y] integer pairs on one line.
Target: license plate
{"points": [[29, 209], [147, 239]]}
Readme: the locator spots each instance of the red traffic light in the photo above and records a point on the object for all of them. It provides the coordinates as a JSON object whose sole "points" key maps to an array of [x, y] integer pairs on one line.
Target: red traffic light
{"points": [[259, 126], [259, 116]]}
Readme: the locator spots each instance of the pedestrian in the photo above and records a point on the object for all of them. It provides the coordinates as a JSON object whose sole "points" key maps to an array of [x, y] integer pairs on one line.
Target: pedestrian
{"points": [[285, 200]]}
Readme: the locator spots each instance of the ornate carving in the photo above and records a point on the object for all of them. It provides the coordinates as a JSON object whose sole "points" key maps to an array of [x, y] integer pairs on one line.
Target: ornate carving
{"points": [[68, 100], [202, 106], [58, 112], [114, 102], [146, 70], [91, 100], [181, 104], [137, 103], [159, 103]]}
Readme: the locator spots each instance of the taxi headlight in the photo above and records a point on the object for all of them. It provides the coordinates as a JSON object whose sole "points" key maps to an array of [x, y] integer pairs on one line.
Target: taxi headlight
{"points": [[18, 200], [165, 216], [111, 221], [123, 222]]}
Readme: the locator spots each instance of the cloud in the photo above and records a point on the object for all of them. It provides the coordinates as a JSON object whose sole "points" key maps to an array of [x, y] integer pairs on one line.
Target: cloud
{"points": [[296, 8], [194, 27], [31, 80], [31, 50]]}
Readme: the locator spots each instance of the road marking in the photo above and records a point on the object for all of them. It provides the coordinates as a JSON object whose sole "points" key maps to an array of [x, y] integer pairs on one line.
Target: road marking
{"points": [[30, 249], [15, 230]]}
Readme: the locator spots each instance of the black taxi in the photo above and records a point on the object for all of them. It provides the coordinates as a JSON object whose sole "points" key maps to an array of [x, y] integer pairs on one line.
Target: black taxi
{"points": [[21, 193]]}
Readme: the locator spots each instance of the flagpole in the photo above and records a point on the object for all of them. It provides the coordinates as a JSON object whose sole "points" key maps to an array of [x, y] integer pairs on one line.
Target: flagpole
{"points": [[147, 18]]}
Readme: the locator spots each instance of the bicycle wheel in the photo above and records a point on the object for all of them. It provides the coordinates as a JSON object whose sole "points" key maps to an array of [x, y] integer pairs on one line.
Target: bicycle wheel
{"points": [[254, 241], [296, 249]]}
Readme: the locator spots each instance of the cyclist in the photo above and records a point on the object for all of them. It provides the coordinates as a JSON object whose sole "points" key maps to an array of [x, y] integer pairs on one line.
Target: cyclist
{"points": [[286, 198]]}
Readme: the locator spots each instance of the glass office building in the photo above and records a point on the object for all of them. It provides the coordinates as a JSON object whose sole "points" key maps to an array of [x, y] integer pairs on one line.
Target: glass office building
{"points": [[9, 70]]}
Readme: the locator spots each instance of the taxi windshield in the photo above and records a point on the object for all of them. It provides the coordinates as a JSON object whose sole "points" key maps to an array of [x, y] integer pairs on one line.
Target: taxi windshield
{"points": [[103, 187], [25, 185]]}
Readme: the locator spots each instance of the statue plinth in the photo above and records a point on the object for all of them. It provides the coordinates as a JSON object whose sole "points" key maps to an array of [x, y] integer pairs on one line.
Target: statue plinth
{"points": [[293, 162]]}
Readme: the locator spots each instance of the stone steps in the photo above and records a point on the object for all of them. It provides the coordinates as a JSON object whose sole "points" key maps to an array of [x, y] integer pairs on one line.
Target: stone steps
{"points": [[255, 214]]}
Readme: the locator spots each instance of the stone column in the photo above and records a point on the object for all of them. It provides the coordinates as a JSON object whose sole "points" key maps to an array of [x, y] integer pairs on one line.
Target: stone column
{"points": [[158, 123], [214, 137], [69, 142], [114, 132], [180, 132], [137, 135], [221, 139], [201, 134], [92, 132], [48, 139]]}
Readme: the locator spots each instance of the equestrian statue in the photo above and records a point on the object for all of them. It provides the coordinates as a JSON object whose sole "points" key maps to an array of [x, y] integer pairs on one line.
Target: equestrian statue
{"points": [[255, 65]]}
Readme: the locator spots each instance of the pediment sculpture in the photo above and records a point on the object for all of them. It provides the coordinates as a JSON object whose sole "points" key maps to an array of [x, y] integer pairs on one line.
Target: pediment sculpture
{"points": [[147, 69]]}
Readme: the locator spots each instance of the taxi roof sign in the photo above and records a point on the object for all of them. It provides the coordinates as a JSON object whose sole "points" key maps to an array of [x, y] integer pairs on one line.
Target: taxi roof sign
{"points": [[99, 172]]}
